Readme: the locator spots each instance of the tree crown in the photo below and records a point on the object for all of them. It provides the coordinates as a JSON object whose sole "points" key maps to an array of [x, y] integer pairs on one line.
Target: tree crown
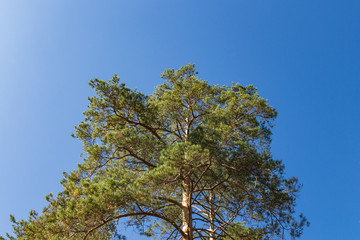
{"points": [[192, 160]]}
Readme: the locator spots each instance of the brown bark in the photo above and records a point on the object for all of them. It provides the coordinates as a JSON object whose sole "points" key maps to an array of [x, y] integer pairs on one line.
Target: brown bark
{"points": [[187, 210], [186, 198], [211, 217]]}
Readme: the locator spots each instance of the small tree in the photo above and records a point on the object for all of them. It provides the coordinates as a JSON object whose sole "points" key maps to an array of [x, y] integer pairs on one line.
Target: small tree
{"points": [[191, 161]]}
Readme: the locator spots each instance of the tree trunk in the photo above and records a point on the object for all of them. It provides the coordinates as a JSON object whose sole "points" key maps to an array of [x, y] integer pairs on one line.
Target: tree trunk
{"points": [[211, 217], [187, 210], [186, 198]]}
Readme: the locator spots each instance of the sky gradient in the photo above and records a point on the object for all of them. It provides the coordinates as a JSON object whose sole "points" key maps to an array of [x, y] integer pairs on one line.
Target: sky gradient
{"points": [[304, 56]]}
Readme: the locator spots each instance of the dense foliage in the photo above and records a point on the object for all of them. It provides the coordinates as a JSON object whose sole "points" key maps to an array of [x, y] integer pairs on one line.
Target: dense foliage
{"points": [[190, 161]]}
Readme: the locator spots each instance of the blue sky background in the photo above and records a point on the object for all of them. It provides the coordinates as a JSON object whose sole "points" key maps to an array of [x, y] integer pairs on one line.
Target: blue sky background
{"points": [[304, 56]]}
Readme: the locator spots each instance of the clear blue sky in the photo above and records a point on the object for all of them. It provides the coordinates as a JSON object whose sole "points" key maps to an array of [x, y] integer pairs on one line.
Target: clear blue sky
{"points": [[304, 56]]}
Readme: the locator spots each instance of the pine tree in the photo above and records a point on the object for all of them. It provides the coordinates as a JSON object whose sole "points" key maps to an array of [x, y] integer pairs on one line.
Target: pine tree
{"points": [[190, 161]]}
